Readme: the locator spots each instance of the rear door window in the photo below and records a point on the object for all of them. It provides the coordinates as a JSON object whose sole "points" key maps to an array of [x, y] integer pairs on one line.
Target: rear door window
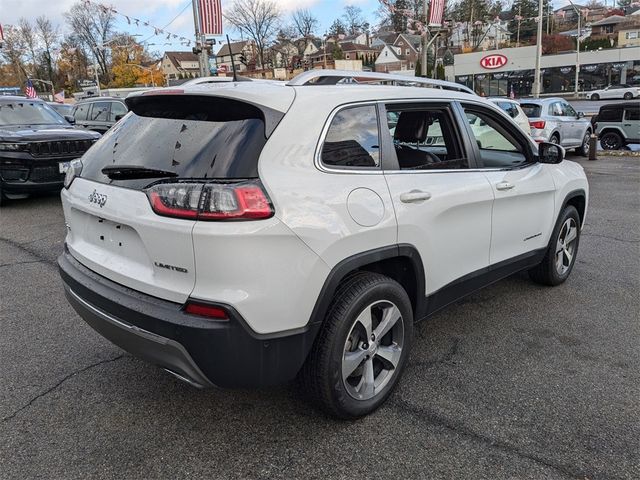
{"points": [[631, 113], [100, 112], [353, 140], [195, 137], [82, 111], [424, 138]]}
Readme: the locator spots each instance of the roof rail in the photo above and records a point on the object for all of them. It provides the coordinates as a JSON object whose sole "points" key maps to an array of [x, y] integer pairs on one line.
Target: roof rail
{"points": [[332, 77]]}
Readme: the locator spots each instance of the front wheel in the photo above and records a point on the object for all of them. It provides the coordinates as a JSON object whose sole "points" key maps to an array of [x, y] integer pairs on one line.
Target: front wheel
{"points": [[362, 347], [561, 253], [586, 145]]}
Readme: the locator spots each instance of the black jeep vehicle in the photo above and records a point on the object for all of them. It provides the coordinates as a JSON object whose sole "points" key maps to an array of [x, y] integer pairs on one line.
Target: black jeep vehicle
{"points": [[35, 144]]}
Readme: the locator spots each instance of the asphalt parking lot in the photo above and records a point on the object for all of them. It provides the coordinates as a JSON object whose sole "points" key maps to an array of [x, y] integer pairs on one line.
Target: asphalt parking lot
{"points": [[517, 381]]}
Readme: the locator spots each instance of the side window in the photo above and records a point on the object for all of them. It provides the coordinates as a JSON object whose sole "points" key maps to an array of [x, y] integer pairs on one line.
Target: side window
{"points": [[610, 115], [556, 109], [81, 110], [568, 110], [632, 113], [510, 108], [352, 139], [100, 112], [117, 108], [498, 147], [424, 138]]}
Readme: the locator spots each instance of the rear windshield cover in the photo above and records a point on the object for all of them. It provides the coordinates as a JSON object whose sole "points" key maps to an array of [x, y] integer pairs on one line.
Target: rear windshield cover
{"points": [[531, 110], [195, 137]]}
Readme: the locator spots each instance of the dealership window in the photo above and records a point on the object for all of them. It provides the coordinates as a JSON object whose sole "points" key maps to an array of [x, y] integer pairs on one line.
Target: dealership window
{"points": [[352, 140]]}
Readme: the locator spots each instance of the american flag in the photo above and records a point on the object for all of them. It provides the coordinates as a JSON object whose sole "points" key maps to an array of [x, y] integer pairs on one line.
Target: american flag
{"points": [[29, 91], [210, 17], [436, 13]]}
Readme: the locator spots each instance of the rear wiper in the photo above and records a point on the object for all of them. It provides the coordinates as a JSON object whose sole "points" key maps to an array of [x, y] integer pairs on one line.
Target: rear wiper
{"points": [[132, 172]]}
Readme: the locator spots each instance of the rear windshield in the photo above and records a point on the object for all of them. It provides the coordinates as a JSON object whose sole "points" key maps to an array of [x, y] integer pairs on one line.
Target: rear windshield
{"points": [[193, 137], [531, 110], [28, 113]]}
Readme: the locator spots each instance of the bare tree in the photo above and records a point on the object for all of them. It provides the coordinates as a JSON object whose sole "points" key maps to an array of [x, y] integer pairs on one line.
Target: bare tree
{"points": [[49, 37], [30, 42], [259, 19], [304, 22], [353, 20], [93, 24]]}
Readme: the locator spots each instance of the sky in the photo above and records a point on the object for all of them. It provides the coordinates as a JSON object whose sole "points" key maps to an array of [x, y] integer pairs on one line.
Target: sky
{"points": [[163, 12]]}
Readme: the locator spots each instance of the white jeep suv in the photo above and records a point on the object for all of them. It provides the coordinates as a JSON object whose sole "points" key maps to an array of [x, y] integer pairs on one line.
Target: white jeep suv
{"points": [[245, 236]]}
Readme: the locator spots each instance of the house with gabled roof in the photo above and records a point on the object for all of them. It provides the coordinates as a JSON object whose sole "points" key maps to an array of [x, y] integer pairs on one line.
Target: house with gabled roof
{"points": [[180, 65]]}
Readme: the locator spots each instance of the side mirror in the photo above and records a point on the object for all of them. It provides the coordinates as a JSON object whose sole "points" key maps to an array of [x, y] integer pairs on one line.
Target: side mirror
{"points": [[580, 114], [550, 153], [71, 119], [119, 117]]}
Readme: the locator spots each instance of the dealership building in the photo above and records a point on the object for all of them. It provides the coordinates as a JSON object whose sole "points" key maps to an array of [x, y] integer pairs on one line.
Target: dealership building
{"points": [[499, 72]]}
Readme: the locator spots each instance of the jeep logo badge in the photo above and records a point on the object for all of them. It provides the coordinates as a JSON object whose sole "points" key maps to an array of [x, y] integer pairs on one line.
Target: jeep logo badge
{"points": [[98, 198], [493, 61]]}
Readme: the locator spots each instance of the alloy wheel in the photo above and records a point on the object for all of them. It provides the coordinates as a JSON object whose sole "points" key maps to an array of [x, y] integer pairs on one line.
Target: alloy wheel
{"points": [[566, 246], [372, 350]]}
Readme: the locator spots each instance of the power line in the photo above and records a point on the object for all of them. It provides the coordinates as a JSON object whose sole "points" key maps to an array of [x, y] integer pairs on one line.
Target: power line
{"points": [[172, 20]]}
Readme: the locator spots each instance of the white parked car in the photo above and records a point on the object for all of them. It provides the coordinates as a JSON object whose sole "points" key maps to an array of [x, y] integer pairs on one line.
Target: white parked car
{"points": [[514, 110], [241, 235], [623, 91]]}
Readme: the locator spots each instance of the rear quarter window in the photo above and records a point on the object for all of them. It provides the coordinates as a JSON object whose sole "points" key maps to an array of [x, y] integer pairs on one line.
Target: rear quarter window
{"points": [[610, 115]]}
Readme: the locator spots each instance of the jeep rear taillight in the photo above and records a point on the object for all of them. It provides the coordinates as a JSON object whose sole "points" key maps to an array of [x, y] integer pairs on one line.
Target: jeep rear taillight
{"points": [[538, 124], [242, 200]]}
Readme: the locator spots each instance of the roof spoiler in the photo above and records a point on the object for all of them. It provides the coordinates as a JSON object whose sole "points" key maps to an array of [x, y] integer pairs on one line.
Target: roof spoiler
{"points": [[332, 77]]}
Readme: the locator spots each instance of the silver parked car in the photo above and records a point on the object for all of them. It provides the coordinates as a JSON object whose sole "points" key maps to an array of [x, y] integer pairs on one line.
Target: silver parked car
{"points": [[554, 120]]}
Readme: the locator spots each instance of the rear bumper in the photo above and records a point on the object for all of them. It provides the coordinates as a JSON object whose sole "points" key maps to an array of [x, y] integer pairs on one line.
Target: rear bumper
{"points": [[202, 352]]}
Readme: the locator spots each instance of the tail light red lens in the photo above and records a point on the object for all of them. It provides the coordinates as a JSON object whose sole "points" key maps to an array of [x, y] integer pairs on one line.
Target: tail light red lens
{"points": [[243, 200], [204, 310], [538, 125]]}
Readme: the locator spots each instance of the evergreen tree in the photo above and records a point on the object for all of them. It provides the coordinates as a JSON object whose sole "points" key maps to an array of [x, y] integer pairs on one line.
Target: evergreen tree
{"points": [[337, 28]]}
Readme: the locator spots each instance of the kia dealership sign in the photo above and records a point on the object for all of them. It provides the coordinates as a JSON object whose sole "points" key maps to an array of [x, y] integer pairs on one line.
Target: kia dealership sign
{"points": [[493, 61]]}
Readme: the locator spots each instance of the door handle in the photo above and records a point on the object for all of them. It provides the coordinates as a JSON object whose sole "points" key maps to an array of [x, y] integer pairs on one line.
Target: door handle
{"points": [[504, 186], [414, 196]]}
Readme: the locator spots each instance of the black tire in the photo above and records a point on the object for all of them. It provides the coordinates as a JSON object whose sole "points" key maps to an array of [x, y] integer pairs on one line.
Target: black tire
{"points": [[555, 138], [548, 272], [595, 97], [628, 96], [321, 377], [611, 141], [585, 147]]}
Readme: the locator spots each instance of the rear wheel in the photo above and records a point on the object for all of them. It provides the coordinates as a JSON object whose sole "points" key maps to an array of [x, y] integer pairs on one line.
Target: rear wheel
{"points": [[611, 141], [555, 138], [586, 145], [628, 96], [362, 348], [595, 97], [561, 253]]}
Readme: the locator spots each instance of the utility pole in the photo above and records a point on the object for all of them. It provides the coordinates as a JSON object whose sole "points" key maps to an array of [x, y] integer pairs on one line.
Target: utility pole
{"points": [[200, 41], [536, 80], [425, 40]]}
